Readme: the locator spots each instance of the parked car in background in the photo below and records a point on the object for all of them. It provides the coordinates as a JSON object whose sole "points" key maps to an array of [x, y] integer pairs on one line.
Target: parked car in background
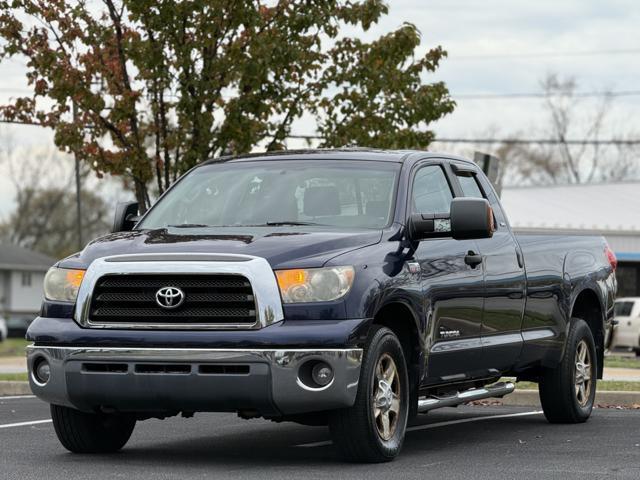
{"points": [[627, 332], [3, 329], [17, 327]]}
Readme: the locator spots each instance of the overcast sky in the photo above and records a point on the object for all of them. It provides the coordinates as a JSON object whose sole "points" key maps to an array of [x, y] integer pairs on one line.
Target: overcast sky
{"points": [[484, 40]]}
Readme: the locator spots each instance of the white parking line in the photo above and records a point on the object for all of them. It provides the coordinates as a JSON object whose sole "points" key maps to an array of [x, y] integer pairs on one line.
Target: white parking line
{"points": [[436, 425], [474, 419], [25, 424], [315, 444], [16, 397]]}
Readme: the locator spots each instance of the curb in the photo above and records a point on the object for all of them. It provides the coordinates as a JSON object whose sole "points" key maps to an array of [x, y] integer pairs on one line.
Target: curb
{"points": [[530, 398], [10, 387]]}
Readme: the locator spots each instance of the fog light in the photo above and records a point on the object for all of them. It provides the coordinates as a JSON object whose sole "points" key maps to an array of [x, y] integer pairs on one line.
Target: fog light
{"points": [[41, 371], [322, 373]]}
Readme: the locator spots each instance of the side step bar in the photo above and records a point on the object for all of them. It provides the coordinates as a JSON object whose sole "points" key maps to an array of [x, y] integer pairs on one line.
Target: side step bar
{"points": [[496, 390]]}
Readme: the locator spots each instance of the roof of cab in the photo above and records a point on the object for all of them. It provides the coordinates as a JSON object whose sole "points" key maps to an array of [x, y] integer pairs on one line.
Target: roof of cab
{"points": [[352, 153]]}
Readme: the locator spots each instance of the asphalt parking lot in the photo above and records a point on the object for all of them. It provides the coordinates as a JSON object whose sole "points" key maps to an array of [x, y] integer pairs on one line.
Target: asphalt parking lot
{"points": [[467, 442]]}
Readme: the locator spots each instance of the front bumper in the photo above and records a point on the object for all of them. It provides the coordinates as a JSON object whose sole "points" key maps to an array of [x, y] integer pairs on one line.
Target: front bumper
{"points": [[158, 380]]}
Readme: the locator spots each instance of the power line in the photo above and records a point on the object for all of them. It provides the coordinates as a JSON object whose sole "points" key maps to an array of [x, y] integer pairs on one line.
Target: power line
{"points": [[513, 141], [549, 54], [540, 141], [491, 96], [20, 122]]}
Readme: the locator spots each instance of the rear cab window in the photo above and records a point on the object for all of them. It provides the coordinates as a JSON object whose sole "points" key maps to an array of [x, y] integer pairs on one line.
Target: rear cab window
{"points": [[470, 186], [475, 187]]}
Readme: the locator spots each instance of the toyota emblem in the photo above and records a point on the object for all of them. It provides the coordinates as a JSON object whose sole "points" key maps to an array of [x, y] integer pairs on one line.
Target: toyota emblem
{"points": [[169, 297]]}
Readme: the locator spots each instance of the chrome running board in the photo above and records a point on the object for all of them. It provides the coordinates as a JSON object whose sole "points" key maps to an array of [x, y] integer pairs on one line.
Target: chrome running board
{"points": [[496, 390]]}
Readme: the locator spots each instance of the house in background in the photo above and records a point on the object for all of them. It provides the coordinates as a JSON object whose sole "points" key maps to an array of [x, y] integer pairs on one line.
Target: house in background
{"points": [[21, 277]]}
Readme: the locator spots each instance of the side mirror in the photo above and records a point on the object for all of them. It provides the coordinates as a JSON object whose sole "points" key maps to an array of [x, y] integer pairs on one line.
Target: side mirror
{"points": [[424, 225], [126, 217], [470, 218]]}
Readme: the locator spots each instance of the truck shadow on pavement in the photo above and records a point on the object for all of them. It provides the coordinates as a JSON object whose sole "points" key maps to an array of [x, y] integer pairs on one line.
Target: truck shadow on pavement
{"points": [[268, 444]]}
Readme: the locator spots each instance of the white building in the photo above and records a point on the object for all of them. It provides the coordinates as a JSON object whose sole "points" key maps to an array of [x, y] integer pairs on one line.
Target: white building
{"points": [[610, 209], [21, 276]]}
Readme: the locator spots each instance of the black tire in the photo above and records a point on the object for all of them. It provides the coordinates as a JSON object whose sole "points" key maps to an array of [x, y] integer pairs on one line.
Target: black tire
{"points": [[355, 430], [81, 432], [563, 401]]}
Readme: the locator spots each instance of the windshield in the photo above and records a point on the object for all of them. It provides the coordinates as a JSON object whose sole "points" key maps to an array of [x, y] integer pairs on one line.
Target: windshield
{"points": [[623, 309], [290, 192]]}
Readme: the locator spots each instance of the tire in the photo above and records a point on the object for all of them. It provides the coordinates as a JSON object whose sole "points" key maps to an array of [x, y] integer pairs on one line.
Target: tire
{"points": [[359, 431], [566, 394], [81, 432]]}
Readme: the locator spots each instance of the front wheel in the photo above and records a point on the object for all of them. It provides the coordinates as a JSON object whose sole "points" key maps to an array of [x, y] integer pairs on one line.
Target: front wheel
{"points": [[373, 429], [567, 393], [81, 432]]}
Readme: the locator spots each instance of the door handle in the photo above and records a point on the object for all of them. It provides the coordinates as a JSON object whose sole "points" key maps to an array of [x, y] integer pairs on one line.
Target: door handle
{"points": [[472, 259]]}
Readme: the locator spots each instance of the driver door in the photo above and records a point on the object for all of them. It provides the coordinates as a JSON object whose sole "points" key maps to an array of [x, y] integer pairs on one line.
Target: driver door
{"points": [[453, 290]]}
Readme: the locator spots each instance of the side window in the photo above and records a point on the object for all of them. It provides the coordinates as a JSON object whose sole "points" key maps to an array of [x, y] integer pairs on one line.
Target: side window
{"points": [[431, 192], [470, 186]]}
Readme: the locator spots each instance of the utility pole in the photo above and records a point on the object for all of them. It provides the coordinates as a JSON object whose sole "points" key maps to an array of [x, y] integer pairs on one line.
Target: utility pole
{"points": [[78, 188]]}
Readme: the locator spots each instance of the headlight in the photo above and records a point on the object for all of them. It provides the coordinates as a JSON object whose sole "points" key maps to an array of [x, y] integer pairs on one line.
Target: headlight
{"points": [[62, 284], [314, 284]]}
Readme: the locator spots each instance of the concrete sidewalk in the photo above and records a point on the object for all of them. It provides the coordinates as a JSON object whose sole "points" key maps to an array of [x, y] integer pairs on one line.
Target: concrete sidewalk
{"points": [[622, 374]]}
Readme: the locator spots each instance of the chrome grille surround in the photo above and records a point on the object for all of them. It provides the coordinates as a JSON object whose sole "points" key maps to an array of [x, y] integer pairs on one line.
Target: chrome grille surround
{"points": [[256, 270]]}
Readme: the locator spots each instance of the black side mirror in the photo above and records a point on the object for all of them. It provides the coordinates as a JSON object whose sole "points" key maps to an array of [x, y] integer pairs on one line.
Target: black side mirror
{"points": [[469, 218], [126, 217], [424, 225]]}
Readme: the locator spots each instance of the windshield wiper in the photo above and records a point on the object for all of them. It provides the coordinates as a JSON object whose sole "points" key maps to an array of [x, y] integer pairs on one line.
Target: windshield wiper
{"points": [[189, 225], [292, 222], [269, 224]]}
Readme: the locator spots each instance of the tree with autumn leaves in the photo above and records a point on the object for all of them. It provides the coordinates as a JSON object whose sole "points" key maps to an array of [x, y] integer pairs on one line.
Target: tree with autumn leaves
{"points": [[147, 89]]}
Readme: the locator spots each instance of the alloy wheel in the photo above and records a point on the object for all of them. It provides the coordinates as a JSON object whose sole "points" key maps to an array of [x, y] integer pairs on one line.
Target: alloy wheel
{"points": [[386, 397], [583, 380]]}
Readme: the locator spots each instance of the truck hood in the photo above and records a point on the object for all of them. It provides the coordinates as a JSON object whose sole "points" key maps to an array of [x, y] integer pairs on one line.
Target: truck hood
{"points": [[283, 247]]}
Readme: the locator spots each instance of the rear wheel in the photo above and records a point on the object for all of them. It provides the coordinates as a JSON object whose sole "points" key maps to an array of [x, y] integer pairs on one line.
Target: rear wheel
{"points": [[373, 429], [82, 432], [567, 393]]}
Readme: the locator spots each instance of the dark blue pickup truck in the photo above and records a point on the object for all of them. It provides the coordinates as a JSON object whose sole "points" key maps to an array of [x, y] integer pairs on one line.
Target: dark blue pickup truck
{"points": [[352, 288]]}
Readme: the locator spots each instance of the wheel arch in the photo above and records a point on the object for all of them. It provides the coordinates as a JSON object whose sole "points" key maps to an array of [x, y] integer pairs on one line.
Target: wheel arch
{"points": [[401, 319], [587, 306]]}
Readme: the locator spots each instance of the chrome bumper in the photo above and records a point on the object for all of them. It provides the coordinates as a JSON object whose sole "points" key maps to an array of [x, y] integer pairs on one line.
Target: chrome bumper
{"points": [[266, 381]]}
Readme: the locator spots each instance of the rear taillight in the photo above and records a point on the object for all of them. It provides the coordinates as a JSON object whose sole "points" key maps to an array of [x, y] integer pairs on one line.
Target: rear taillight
{"points": [[613, 261]]}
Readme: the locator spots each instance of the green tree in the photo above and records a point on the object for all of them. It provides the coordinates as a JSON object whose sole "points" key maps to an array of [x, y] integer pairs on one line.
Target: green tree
{"points": [[147, 89]]}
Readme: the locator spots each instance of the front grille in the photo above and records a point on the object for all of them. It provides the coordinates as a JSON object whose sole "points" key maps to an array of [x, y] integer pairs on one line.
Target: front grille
{"points": [[208, 300]]}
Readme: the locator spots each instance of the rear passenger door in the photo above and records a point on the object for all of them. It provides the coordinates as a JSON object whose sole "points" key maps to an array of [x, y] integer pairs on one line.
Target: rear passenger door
{"points": [[453, 291], [504, 276]]}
